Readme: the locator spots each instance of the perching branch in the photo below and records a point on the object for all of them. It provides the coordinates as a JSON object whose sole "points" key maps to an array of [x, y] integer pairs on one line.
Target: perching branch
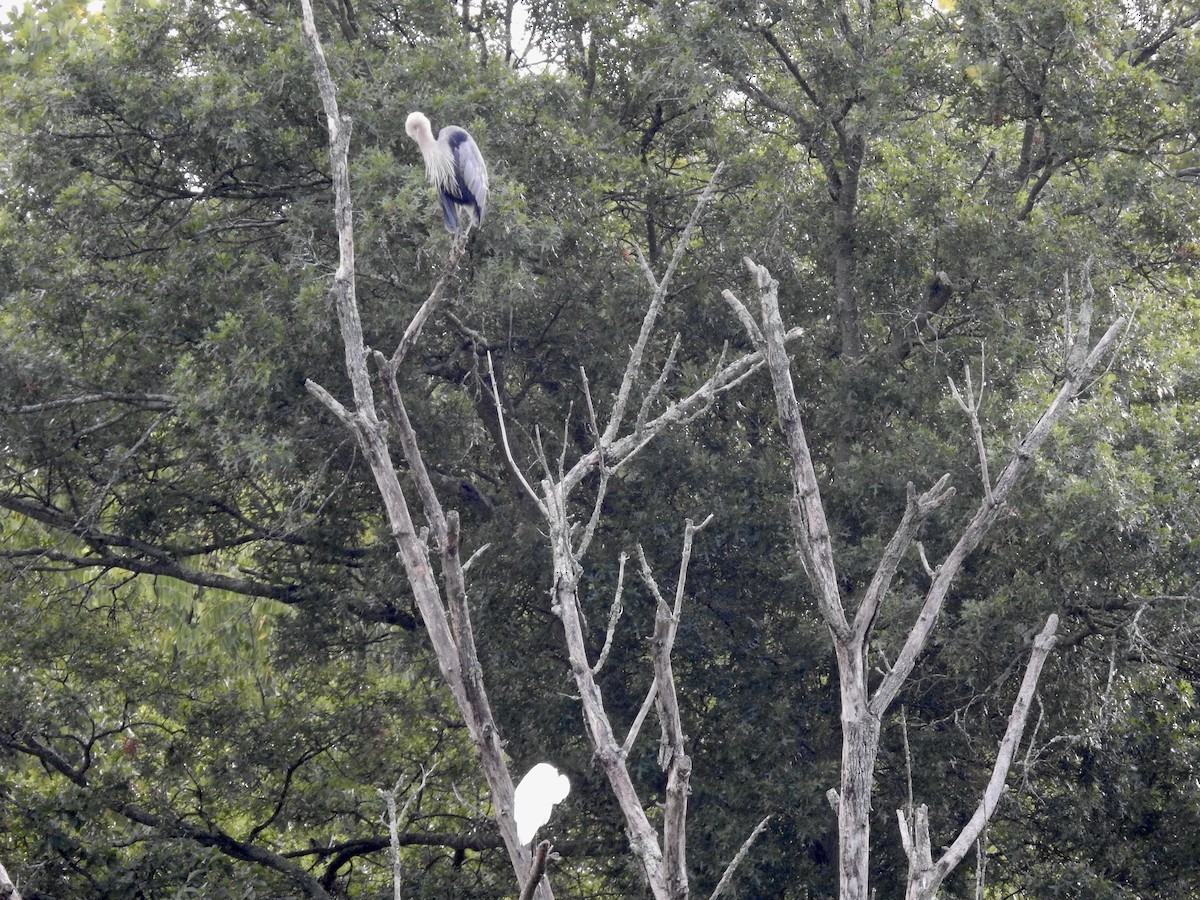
{"points": [[541, 857], [449, 629], [413, 332]]}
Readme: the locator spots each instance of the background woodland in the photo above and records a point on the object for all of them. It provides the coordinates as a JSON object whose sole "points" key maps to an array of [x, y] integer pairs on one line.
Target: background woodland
{"points": [[212, 663]]}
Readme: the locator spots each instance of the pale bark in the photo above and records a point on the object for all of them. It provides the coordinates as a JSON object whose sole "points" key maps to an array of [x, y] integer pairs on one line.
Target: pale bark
{"points": [[8, 890], [731, 869], [444, 610], [541, 857], [925, 876], [447, 621], [622, 437], [862, 710]]}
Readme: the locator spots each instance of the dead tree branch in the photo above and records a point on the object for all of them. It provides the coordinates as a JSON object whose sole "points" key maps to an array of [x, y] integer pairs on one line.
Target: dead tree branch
{"points": [[727, 876], [447, 621], [862, 709], [537, 870], [925, 876]]}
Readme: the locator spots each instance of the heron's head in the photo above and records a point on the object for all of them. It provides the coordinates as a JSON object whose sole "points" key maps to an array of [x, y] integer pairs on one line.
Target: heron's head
{"points": [[418, 128], [439, 161]]}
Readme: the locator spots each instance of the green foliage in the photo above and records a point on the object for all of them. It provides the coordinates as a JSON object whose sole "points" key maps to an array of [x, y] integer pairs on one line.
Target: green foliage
{"points": [[208, 627]]}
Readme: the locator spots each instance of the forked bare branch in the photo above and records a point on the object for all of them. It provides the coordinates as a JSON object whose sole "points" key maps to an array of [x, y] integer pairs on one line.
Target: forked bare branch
{"points": [[862, 710], [916, 511], [971, 403], [925, 876], [985, 516]]}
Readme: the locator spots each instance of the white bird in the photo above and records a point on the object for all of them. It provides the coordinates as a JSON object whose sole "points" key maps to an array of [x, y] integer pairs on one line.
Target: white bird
{"points": [[534, 798], [455, 167]]}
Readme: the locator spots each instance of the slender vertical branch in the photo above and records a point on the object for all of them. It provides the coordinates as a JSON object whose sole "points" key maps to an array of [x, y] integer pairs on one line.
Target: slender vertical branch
{"points": [[678, 764], [614, 615], [634, 367], [927, 878], [343, 279], [609, 754], [394, 817], [970, 403]]}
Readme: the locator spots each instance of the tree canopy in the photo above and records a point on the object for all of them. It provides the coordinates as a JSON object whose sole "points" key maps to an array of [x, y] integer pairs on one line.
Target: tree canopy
{"points": [[214, 663]]}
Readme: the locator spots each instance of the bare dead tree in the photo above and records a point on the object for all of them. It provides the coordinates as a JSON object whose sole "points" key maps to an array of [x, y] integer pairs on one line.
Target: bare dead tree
{"points": [[446, 618], [862, 708], [444, 609], [617, 441]]}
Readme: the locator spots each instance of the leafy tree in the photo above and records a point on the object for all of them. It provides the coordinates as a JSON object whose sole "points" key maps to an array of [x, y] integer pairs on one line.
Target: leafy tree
{"points": [[195, 553]]}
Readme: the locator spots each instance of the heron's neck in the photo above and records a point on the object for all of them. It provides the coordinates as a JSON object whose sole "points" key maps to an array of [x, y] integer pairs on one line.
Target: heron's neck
{"points": [[439, 165]]}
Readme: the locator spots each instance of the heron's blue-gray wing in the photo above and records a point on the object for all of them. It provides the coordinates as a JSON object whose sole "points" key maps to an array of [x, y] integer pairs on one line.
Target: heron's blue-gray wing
{"points": [[471, 169]]}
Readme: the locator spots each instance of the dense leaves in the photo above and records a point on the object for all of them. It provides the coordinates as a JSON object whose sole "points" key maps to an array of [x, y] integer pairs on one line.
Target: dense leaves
{"points": [[213, 663]]}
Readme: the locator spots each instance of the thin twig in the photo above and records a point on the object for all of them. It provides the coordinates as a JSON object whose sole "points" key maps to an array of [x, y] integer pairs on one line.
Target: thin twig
{"points": [[413, 332], [727, 876], [614, 614], [638, 351], [656, 388], [651, 696], [507, 446], [589, 530], [474, 556], [925, 560]]}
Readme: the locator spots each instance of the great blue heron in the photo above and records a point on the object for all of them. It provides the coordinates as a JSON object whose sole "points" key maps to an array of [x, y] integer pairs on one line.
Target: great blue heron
{"points": [[455, 167], [535, 796]]}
